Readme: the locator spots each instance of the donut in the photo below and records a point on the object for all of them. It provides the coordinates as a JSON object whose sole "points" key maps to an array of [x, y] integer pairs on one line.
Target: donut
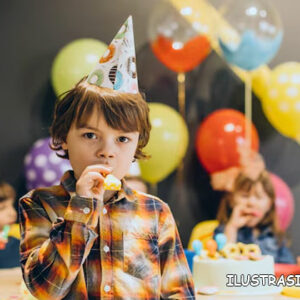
{"points": [[230, 250], [243, 249], [108, 54], [254, 252], [131, 67]]}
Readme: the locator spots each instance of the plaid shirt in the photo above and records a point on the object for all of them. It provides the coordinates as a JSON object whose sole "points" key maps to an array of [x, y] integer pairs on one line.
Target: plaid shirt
{"points": [[78, 248]]}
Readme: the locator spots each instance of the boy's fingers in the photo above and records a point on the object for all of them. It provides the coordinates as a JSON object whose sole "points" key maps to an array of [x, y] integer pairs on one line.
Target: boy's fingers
{"points": [[97, 168]]}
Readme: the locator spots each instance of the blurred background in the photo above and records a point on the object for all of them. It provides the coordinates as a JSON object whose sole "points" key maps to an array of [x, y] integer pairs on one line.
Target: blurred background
{"points": [[34, 31]]}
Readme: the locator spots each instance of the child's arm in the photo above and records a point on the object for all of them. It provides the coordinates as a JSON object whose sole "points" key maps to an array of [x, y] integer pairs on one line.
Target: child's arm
{"points": [[176, 282], [52, 253], [285, 256]]}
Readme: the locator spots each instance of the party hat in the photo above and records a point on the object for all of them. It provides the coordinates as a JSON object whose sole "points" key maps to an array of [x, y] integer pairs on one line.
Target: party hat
{"points": [[117, 67]]}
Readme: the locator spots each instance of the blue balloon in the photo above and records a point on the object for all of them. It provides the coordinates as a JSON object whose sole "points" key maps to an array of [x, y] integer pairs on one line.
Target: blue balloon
{"points": [[252, 51], [197, 246], [221, 240]]}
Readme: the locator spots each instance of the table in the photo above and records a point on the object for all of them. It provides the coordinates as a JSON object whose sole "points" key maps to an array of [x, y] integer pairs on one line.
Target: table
{"points": [[10, 283], [264, 297]]}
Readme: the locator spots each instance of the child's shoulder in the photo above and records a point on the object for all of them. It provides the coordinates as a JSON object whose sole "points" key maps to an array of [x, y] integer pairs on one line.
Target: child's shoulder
{"points": [[45, 193], [151, 201]]}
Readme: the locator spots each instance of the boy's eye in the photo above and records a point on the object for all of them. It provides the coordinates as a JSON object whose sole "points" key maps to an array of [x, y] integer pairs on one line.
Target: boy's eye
{"points": [[90, 135], [123, 139]]}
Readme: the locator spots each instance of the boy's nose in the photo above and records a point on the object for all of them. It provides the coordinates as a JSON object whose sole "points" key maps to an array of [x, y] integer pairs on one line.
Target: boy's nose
{"points": [[106, 150]]}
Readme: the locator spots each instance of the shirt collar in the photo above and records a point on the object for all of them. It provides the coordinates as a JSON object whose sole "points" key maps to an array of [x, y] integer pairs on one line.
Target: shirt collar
{"points": [[68, 181]]}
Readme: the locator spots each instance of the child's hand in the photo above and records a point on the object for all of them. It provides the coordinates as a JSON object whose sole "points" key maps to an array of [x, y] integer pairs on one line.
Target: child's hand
{"points": [[90, 182], [240, 216]]}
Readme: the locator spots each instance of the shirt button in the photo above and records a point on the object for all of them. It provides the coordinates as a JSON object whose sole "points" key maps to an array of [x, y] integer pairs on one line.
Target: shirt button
{"points": [[106, 248], [107, 288], [104, 211], [86, 210]]}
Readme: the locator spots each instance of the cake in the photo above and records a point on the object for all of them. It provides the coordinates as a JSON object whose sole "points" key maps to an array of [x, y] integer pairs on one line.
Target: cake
{"points": [[231, 270]]}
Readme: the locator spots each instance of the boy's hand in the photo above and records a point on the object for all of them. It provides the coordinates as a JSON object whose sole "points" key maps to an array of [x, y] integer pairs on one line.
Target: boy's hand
{"points": [[90, 183]]}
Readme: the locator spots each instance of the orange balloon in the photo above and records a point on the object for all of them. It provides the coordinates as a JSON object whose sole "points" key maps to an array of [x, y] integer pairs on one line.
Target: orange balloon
{"points": [[178, 57], [211, 246], [218, 138]]}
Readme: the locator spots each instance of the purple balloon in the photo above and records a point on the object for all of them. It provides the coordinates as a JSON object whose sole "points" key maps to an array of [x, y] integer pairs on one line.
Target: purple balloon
{"points": [[43, 168]]}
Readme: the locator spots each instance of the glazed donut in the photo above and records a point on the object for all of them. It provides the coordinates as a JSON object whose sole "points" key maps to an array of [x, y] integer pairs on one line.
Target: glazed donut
{"points": [[253, 248], [230, 251], [254, 252], [243, 249], [108, 54]]}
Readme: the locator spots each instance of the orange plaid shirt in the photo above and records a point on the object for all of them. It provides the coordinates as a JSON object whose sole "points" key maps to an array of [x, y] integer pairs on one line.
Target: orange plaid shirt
{"points": [[78, 248]]}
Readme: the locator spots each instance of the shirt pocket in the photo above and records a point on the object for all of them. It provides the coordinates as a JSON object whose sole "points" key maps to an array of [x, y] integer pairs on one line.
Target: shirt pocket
{"points": [[141, 255]]}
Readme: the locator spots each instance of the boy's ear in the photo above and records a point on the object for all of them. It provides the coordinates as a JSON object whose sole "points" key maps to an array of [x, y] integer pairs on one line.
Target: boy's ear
{"points": [[64, 146]]}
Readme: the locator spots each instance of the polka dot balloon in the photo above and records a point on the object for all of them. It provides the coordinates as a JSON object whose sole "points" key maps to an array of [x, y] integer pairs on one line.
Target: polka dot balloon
{"points": [[43, 168], [281, 101]]}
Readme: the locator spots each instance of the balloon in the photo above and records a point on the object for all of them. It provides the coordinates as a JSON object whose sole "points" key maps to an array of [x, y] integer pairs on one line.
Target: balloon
{"points": [[74, 61], [281, 101], [177, 43], [197, 246], [221, 240], [43, 168], [255, 35], [218, 138], [284, 202], [167, 144], [211, 247]]}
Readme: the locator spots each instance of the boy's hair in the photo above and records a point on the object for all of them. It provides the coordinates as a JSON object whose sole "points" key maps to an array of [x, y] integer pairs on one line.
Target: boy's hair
{"points": [[122, 111], [6, 191], [243, 183]]}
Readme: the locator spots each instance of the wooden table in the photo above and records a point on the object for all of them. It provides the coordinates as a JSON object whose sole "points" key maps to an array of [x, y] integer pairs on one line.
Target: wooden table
{"points": [[10, 284]]}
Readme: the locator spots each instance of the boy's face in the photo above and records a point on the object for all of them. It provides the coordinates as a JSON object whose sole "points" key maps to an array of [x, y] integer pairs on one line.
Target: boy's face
{"points": [[8, 214], [97, 143]]}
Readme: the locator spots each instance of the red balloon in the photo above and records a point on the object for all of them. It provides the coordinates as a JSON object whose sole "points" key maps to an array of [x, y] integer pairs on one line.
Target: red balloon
{"points": [[284, 202], [184, 59], [218, 138]]}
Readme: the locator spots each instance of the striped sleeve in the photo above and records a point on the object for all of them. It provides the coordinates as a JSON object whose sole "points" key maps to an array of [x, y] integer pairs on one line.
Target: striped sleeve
{"points": [[177, 282], [52, 253]]}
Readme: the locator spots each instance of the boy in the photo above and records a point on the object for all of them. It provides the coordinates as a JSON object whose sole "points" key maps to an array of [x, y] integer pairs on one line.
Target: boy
{"points": [[81, 242], [9, 233]]}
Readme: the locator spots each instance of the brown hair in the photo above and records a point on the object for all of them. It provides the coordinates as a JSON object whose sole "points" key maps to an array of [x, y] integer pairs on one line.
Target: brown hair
{"points": [[243, 183], [6, 191], [123, 111]]}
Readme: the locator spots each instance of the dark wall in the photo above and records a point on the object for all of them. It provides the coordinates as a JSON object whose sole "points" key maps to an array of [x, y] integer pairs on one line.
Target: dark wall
{"points": [[32, 33]]}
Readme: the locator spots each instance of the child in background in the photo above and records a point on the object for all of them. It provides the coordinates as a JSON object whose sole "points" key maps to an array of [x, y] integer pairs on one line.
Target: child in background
{"points": [[134, 180], [9, 236], [247, 211], [80, 241], [136, 183]]}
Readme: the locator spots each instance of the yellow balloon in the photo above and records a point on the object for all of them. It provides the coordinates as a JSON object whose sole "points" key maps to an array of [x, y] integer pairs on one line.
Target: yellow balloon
{"points": [[74, 61], [281, 102], [167, 144]]}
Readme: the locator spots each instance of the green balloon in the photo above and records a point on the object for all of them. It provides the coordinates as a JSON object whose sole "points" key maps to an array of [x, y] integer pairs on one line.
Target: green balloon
{"points": [[74, 61], [167, 144]]}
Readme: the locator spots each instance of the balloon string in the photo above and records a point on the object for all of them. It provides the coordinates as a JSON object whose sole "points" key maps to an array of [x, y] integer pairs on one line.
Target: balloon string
{"points": [[248, 107], [181, 93]]}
